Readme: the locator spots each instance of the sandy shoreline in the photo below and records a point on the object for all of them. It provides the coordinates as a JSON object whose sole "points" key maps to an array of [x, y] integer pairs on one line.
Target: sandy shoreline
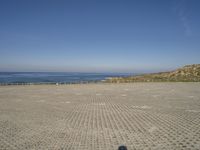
{"points": [[100, 116]]}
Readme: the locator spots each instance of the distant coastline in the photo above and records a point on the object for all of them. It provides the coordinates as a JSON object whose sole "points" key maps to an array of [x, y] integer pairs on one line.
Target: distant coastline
{"points": [[188, 73], [34, 78]]}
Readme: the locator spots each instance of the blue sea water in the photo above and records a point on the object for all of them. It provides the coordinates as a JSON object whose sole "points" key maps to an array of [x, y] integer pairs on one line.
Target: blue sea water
{"points": [[54, 77]]}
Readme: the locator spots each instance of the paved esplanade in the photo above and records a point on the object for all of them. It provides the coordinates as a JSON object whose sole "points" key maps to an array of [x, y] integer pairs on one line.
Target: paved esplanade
{"points": [[100, 116]]}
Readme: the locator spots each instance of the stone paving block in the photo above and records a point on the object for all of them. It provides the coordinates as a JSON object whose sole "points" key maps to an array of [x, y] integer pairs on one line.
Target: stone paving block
{"points": [[142, 116]]}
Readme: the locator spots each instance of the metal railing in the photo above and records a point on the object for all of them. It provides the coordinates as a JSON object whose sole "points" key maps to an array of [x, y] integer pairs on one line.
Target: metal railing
{"points": [[50, 83]]}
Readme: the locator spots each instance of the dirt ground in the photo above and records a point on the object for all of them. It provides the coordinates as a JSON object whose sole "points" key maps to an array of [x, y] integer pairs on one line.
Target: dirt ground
{"points": [[147, 116]]}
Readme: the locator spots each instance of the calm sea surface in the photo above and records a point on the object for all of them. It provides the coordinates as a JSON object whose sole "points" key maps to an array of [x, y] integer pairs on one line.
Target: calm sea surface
{"points": [[52, 77]]}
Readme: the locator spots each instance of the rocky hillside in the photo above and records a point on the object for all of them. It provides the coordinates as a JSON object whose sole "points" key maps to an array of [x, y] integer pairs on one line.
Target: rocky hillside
{"points": [[189, 73]]}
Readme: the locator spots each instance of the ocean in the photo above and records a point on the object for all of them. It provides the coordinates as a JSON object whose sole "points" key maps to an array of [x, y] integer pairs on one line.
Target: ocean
{"points": [[54, 77]]}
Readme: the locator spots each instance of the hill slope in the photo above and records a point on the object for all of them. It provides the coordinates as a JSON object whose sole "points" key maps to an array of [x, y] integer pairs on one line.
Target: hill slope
{"points": [[188, 73]]}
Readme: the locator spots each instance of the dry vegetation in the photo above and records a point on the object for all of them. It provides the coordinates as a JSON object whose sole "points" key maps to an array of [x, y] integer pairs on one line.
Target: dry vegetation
{"points": [[189, 73]]}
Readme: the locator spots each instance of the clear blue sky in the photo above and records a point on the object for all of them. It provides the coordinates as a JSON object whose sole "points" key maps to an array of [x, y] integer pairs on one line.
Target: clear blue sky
{"points": [[98, 35]]}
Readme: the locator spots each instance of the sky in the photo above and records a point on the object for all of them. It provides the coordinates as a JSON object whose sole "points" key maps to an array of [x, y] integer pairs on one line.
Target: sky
{"points": [[99, 35]]}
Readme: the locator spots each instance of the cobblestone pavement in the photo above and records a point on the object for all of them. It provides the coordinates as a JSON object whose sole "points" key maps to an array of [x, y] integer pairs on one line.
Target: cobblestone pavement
{"points": [[155, 116]]}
